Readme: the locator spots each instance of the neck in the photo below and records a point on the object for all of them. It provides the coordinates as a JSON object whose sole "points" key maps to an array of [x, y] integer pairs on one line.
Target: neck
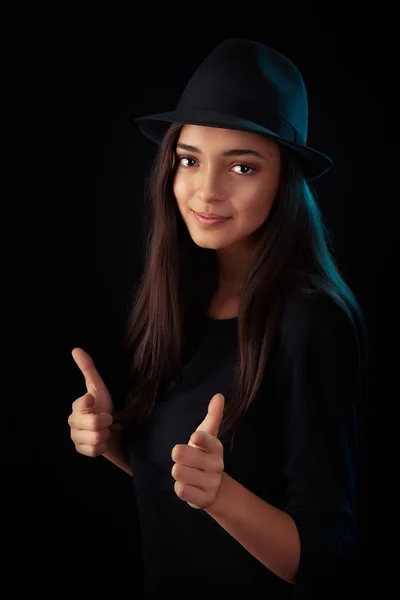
{"points": [[234, 265]]}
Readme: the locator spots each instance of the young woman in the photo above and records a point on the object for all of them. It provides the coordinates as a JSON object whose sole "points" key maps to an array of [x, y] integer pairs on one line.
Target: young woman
{"points": [[247, 350]]}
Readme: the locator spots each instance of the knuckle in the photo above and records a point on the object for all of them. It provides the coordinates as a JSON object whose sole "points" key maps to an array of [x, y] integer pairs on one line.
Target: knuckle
{"points": [[77, 421], [179, 490], [176, 470], [96, 437], [220, 466], [92, 422], [177, 453]]}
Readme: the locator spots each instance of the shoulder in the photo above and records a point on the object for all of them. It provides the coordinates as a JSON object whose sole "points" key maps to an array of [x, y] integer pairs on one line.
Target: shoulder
{"points": [[320, 350], [313, 317]]}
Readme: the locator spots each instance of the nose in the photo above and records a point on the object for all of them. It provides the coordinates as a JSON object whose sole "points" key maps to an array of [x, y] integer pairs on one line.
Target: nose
{"points": [[210, 186]]}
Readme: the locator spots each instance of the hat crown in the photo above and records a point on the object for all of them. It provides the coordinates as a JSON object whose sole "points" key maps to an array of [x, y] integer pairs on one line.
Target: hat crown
{"points": [[252, 81]]}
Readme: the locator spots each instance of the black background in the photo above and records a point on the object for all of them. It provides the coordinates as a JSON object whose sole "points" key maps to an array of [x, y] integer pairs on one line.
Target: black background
{"points": [[82, 510]]}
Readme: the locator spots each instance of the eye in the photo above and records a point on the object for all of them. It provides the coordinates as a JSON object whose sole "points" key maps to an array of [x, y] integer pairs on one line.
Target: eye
{"points": [[245, 169], [186, 161]]}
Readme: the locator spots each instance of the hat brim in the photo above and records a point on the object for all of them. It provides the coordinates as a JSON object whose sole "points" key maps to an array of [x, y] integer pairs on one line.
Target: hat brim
{"points": [[313, 162]]}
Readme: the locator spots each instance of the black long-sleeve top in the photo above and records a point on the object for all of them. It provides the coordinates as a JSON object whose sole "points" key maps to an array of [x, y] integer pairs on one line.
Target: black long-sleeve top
{"points": [[297, 449]]}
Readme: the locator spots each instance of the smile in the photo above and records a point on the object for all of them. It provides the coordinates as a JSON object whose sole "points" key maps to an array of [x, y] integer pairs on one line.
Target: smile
{"points": [[211, 221]]}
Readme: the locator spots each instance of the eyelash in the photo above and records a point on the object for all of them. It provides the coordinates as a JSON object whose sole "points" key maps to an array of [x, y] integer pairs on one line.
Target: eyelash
{"points": [[252, 169]]}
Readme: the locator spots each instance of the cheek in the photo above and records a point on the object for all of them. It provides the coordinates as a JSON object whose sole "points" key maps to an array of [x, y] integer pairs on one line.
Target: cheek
{"points": [[181, 191], [256, 208]]}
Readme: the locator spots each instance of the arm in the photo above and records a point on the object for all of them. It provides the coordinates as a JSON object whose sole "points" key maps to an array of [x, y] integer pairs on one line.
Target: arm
{"points": [[310, 542], [269, 534], [116, 452], [318, 427]]}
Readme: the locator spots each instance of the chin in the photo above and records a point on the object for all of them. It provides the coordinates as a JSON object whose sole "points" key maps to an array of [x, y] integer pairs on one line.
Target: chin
{"points": [[210, 241], [209, 244]]}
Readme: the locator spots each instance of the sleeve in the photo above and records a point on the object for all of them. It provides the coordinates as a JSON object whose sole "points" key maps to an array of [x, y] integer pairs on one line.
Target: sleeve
{"points": [[319, 395]]}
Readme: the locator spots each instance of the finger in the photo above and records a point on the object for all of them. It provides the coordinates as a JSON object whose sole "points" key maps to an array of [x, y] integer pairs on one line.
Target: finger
{"points": [[196, 458], [190, 476], [84, 361], [90, 438], [90, 422], [214, 415], [91, 450], [206, 442], [85, 404], [193, 495]]}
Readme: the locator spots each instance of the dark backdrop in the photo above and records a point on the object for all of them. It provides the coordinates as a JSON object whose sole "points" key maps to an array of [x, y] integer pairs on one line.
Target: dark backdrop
{"points": [[83, 510], [112, 88]]}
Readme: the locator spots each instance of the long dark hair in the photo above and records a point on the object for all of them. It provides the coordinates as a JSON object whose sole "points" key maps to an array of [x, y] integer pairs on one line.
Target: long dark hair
{"points": [[179, 279]]}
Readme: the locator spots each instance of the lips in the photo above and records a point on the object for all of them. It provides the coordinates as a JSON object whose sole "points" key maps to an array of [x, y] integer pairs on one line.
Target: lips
{"points": [[211, 216], [210, 221]]}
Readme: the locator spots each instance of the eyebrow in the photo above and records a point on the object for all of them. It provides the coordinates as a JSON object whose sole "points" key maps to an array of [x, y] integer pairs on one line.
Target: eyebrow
{"points": [[233, 152]]}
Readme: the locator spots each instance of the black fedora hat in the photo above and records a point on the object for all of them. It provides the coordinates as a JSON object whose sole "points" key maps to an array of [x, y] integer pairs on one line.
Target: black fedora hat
{"points": [[245, 85]]}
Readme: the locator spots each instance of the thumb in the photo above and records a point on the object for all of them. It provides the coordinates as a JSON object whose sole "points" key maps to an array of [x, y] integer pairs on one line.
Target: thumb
{"points": [[214, 415], [94, 383]]}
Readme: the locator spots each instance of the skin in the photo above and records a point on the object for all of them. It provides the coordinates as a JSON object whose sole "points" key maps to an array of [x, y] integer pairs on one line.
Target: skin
{"points": [[241, 185]]}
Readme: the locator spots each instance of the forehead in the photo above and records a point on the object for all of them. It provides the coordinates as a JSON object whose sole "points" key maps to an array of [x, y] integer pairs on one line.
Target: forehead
{"points": [[210, 138]]}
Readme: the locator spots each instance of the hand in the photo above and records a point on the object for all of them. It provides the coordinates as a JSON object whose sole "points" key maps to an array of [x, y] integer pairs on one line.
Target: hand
{"points": [[199, 465], [91, 415]]}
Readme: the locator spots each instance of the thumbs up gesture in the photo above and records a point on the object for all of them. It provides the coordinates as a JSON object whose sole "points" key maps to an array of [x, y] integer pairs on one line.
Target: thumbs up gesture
{"points": [[199, 465], [91, 416]]}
